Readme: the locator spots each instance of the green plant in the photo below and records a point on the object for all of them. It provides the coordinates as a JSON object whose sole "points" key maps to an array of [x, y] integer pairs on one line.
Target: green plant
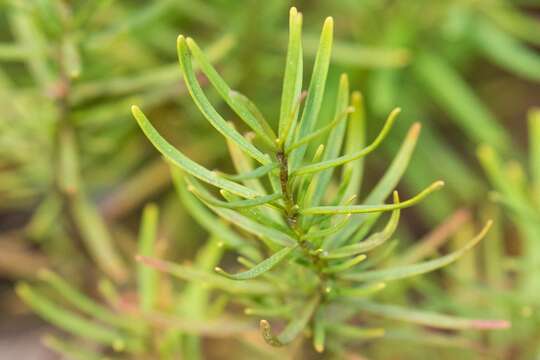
{"points": [[316, 274], [517, 190]]}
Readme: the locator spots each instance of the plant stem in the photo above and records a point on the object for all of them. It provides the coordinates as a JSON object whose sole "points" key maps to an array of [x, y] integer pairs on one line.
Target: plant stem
{"points": [[292, 213]]}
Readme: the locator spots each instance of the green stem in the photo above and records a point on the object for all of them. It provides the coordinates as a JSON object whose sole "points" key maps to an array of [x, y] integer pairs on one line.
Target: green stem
{"points": [[292, 213]]}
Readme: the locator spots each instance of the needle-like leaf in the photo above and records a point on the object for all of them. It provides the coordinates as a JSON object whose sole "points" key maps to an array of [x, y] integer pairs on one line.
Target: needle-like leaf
{"points": [[207, 220], [185, 163], [364, 209], [208, 110], [257, 229], [334, 142], [354, 156], [382, 189], [322, 130], [293, 328], [354, 332], [355, 140], [260, 268], [198, 190], [371, 242], [147, 277], [403, 272], [88, 305], [506, 51], [292, 80], [72, 322], [332, 269], [225, 91], [456, 97], [434, 320], [253, 174], [361, 291], [315, 91], [190, 273]]}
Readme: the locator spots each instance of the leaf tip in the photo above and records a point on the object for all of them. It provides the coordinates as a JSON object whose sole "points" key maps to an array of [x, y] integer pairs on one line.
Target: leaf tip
{"points": [[491, 324], [135, 110], [438, 184], [293, 11], [328, 23], [414, 131]]}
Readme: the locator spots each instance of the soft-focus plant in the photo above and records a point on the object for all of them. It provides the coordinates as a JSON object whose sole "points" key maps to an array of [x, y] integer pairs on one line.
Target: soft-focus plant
{"points": [[149, 319], [439, 80], [64, 88], [71, 161], [517, 190], [299, 201]]}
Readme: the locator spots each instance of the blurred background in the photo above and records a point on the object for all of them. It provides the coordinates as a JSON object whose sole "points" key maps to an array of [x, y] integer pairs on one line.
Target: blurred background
{"points": [[75, 170]]}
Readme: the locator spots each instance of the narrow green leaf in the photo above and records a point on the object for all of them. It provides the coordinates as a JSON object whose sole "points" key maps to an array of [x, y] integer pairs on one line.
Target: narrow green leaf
{"points": [[34, 41], [315, 91], [334, 142], [244, 164], [208, 221], [292, 329], [68, 350], [402, 272], [434, 320], [352, 172], [319, 331], [354, 156], [146, 277], [306, 186], [71, 57], [257, 229], [364, 209], [361, 291], [88, 305], [198, 190], [333, 228], [534, 146], [521, 24], [72, 322], [454, 95], [68, 161], [346, 265], [358, 55], [208, 110], [97, 238], [257, 214], [189, 273], [44, 217], [223, 89], [12, 52], [244, 101], [354, 332], [260, 268], [252, 174], [185, 163], [396, 169], [371, 242], [292, 79], [500, 178], [379, 256], [506, 51], [383, 188], [322, 130]]}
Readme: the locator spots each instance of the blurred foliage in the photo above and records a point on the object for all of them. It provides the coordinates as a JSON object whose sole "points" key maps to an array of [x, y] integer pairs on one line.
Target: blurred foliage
{"points": [[75, 172]]}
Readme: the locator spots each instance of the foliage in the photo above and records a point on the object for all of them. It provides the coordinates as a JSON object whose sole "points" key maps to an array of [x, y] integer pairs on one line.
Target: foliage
{"points": [[75, 172], [314, 233]]}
